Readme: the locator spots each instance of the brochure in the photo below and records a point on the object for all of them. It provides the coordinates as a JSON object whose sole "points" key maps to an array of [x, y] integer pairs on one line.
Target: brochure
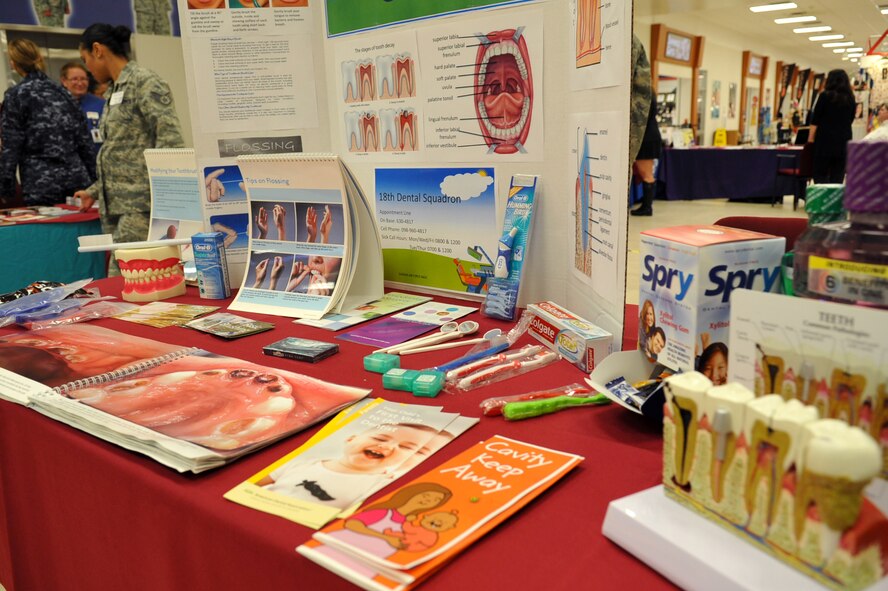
{"points": [[163, 314], [329, 477], [407, 324], [187, 408], [390, 302], [399, 540], [314, 245], [229, 326]]}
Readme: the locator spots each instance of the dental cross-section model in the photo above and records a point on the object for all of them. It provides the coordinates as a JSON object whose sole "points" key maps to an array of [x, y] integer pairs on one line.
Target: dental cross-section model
{"points": [[772, 472], [503, 90], [150, 274], [588, 33]]}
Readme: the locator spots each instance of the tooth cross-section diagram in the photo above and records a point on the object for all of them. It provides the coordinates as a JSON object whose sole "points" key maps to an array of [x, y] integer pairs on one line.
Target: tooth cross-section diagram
{"points": [[503, 90], [588, 33]]}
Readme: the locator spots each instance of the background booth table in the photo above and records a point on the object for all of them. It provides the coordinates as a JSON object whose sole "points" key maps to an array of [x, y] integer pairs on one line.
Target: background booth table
{"points": [[79, 513], [722, 173], [47, 250]]}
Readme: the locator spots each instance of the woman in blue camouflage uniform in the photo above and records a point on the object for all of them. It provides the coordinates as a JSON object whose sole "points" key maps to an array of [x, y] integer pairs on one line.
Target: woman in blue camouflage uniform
{"points": [[139, 114], [44, 135]]}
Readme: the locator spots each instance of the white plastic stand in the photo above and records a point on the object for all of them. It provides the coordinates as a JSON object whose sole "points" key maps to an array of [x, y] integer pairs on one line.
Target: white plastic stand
{"points": [[695, 553]]}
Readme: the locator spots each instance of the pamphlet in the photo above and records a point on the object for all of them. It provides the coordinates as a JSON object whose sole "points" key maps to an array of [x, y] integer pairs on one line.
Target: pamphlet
{"points": [[314, 245], [229, 326], [154, 398], [426, 523], [390, 302], [329, 477], [301, 349], [163, 314], [407, 324]]}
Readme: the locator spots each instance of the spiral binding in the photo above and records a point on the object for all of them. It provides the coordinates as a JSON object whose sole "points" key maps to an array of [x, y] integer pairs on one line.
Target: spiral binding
{"points": [[290, 157], [123, 372]]}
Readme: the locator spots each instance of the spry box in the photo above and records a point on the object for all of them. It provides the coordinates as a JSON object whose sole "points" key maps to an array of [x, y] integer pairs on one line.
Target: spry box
{"points": [[688, 274]]}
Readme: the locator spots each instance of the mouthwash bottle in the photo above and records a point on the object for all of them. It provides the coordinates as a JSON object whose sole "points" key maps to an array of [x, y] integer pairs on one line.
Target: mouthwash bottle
{"points": [[847, 261]]}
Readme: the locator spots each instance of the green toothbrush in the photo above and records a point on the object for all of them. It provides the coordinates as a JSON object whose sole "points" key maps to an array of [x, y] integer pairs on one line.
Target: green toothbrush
{"points": [[516, 411]]}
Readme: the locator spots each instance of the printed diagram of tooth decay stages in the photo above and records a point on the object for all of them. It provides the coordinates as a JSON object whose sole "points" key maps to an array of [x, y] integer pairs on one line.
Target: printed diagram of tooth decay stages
{"points": [[482, 81], [600, 33], [597, 208], [377, 97]]}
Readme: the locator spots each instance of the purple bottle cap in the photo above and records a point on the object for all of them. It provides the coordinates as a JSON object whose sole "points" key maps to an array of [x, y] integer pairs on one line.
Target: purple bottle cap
{"points": [[866, 186]]}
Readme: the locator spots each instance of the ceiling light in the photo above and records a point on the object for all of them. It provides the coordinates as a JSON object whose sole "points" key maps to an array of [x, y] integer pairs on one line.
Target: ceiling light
{"points": [[854, 59], [839, 44], [773, 7], [795, 19], [845, 58], [855, 49], [839, 50], [884, 10], [825, 37], [817, 29]]}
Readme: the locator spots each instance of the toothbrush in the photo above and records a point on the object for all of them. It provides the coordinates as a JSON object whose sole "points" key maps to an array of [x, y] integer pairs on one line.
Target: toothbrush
{"points": [[516, 411], [489, 361], [492, 372], [504, 256], [460, 361]]}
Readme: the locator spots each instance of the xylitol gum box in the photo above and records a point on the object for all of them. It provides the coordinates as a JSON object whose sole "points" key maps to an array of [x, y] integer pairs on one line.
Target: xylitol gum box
{"points": [[687, 276]]}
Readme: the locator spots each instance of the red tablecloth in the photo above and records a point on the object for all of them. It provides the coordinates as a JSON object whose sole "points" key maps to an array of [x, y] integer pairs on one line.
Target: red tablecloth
{"points": [[79, 513]]}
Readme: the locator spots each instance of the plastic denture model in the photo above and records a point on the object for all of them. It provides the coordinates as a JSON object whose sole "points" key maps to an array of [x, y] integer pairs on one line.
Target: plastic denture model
{"points": [[772, 472], [150, 274]]}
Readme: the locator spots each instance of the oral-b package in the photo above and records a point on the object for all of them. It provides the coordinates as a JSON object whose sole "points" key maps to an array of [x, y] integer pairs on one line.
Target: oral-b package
{"points": [[211, 264], [687, 276]]}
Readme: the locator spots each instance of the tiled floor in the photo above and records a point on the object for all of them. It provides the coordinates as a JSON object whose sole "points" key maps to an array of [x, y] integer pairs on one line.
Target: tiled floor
{"points": [[678, 213]]}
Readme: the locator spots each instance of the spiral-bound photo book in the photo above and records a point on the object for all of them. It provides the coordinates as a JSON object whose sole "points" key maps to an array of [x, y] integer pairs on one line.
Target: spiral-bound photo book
{"points": [[314, 245], [187, 408]]}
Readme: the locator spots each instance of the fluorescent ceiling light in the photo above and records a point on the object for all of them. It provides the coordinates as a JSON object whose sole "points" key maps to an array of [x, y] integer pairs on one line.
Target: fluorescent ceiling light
{"points": [[839, 44], [839, 50], [854, 59], [855, 50], [825, 37], [773, 7], [884, 10], [795, 19], [817, 29]]}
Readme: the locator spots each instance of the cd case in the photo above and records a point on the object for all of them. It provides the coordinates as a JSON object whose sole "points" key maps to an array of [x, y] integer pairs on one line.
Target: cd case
{"points": [[301, 349]]}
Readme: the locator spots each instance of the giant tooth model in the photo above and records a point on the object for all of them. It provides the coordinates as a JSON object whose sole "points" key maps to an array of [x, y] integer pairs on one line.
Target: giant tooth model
{"points": [[773, 472]]}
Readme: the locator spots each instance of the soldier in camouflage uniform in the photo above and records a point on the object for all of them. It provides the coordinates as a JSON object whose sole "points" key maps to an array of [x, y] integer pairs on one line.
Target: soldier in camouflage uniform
{"points": [[139, 114], [44, 135], [644, 133], [152, 17], [51, 13]]}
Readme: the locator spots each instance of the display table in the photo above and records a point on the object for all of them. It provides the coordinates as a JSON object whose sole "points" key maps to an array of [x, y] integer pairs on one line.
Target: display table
{"points": [[79, 513], [721, 173], [47, 250]]}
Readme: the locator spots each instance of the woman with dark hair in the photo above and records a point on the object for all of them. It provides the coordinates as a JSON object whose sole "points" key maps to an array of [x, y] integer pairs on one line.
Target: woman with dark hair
{"points": [[139, 115], [831, 127], [43, 133]]}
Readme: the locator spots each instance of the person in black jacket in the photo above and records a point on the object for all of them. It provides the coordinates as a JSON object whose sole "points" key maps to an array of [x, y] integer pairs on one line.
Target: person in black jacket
{"points": [[831, 127], [44, 135]]}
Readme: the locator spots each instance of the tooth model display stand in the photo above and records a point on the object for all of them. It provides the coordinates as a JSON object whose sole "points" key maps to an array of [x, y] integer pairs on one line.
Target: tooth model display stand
{"points": [[768, 496]]}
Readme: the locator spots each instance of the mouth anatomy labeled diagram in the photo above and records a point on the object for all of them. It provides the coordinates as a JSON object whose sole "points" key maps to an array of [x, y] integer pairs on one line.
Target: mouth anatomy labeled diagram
{"points": [[503, 90]]}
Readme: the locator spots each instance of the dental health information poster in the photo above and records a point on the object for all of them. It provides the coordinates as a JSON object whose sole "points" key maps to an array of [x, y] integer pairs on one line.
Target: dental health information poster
{"points": [[377, 100], [599, 212], [438, 226], [600, 33], [483, 88]]}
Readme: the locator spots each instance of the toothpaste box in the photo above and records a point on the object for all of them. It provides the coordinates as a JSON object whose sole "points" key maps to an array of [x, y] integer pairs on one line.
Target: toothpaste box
{"points": [[577, 340], [211, 264], [687, 276]]}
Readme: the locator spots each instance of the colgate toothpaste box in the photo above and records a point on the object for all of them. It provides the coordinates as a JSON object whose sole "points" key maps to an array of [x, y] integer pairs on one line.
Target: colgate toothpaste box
{"points": [[687, 276], [577, 340]]}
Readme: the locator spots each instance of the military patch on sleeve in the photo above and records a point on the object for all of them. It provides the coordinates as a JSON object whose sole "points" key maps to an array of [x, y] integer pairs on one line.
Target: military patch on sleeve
{"points": [[164, 99]]}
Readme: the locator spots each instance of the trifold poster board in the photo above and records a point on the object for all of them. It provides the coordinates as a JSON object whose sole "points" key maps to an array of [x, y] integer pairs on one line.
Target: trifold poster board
{"points": [[178, 211], [152, 397], [314, 245]]}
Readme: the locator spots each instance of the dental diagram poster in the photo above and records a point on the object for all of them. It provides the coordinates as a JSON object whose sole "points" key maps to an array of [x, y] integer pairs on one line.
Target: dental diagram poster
{"points": [[479, 98], [599, 211], [438, 227], [600, 35], [829, 355], [313, 244], [251, 89]]}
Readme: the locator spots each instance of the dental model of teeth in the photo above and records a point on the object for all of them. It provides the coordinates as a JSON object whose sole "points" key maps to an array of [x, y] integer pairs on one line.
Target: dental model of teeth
{"points": [[771, 471], [150, 274]]}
